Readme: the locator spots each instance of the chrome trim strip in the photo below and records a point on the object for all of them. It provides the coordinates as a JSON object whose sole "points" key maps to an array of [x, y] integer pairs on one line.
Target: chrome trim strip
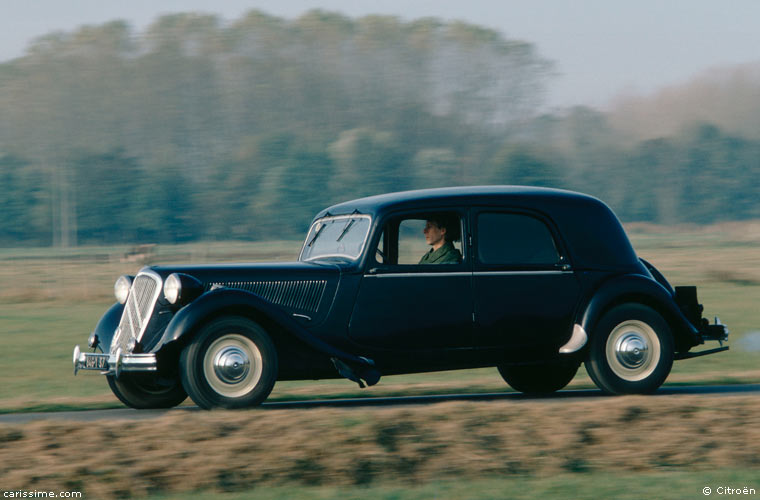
{"points": [[333, 218], [577, 340], [408, 275], [460, 273], [519, 273]]}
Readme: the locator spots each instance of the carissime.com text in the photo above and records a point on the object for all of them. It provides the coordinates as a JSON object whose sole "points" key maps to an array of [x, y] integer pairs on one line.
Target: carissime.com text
{"points": [[41, 494]]}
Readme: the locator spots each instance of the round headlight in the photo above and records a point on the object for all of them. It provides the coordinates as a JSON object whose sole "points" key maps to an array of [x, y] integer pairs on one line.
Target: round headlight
{"points": [[172, 288], [121, 288]]}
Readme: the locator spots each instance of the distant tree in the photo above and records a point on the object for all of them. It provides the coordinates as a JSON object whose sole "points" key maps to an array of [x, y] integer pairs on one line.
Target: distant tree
{"points": [[368, 162], [718, 175], [195, 128], [107, 197], [24, 205], [526, 166]]}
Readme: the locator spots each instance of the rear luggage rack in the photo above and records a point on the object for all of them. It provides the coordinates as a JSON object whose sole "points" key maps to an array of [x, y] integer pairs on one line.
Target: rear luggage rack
{"points": [[716, 331]]}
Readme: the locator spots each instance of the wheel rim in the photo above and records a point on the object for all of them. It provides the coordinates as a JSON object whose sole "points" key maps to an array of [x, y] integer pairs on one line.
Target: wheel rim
{"points": [[633, 350], [232, 365]]}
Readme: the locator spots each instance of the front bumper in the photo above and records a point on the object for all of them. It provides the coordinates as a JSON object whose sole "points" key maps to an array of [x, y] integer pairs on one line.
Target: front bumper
{"points": [[114, 364]]}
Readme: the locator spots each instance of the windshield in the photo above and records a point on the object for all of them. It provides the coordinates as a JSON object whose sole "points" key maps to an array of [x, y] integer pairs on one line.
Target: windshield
{"points": [[341, 236]]}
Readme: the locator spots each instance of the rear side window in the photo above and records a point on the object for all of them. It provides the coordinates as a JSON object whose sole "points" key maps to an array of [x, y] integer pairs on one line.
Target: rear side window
{"points": [[514, 240]]}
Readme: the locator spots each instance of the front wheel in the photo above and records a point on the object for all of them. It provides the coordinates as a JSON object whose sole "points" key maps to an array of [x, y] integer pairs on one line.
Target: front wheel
{"points": [[631, 351], [146, 391], [538, 379], [231, 363]]}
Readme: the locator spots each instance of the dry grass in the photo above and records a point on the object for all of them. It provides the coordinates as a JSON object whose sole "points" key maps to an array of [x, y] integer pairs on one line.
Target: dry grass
{"points": [[226, 451], [726, 252]]}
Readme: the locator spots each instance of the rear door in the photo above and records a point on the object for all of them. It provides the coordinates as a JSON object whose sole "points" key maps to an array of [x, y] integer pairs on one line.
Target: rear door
{"points": [[524, 289]]}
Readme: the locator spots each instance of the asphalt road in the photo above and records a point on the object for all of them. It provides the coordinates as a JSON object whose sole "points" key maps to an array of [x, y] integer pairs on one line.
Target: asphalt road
{"points": [[131, 414]]}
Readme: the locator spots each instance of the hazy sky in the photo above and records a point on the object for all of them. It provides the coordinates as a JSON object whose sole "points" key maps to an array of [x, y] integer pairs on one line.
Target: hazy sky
{"points": [[602, 47]]}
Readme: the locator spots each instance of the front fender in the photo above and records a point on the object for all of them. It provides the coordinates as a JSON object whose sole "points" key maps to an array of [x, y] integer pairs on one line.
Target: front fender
{"points": [[641, 289], [106, 327], [222, 301]]}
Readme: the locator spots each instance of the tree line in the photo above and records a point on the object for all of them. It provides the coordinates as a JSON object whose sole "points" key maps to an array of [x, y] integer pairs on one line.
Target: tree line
{"points": [[195, 129]]}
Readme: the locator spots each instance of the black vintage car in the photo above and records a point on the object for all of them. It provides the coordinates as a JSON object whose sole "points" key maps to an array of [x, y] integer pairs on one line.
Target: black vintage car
{"points": [[534, 282]]}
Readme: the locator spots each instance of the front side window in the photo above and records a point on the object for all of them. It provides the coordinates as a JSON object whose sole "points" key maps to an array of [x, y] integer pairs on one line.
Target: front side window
{"points": [[422, 239], [342, 236], [510, 239]]}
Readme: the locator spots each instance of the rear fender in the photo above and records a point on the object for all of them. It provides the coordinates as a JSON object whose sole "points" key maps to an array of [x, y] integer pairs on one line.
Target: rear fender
{"points": [[642, 290], [222, 301]]}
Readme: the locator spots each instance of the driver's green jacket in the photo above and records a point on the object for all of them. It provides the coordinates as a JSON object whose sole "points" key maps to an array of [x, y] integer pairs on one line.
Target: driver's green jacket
{"points": [[447, 254]]}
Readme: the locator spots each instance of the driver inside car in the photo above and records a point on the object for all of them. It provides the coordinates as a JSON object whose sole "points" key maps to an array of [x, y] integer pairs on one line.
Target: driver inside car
{"points": [[440, 232]]}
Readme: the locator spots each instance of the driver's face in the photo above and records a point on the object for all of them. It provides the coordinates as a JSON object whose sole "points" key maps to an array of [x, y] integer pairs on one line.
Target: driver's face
{"points": [[433, 234]]}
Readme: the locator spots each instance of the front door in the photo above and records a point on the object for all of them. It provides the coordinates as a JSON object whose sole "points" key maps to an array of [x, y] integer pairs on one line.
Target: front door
{"points": [[404, 305]]}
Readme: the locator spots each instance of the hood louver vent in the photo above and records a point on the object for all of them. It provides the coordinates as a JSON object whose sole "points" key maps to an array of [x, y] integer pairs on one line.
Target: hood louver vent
{"points": [[302, 296]]}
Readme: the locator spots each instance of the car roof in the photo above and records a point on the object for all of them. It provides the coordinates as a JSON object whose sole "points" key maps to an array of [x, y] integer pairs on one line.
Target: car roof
{"points": [[591, 231], [465, 195]]}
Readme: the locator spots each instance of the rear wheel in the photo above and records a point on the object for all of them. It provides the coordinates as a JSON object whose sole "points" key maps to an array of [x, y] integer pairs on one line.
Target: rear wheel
{"points": [[538, 379], [631, 350], [231, 363], [144, 391]]}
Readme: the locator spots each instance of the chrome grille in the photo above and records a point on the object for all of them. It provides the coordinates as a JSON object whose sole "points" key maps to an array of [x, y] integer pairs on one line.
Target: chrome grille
{"points": [[302, 296], [138, 310]]}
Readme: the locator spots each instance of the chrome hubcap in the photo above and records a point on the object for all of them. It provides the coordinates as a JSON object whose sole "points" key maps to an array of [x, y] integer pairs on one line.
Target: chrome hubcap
{"points": [[233, 365], [633, 350]]}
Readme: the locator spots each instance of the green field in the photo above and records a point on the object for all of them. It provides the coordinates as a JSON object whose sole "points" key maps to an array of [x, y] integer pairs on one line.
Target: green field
{"points": [[51, 299]]}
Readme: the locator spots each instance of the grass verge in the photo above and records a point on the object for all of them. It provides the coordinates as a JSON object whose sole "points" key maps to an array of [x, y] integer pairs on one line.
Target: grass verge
{"points": [[409, 447], [583, 486]]}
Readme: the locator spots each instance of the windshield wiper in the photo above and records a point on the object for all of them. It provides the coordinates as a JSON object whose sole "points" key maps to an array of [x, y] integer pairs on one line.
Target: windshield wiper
{"points": [[345, 229], [316, 235]]}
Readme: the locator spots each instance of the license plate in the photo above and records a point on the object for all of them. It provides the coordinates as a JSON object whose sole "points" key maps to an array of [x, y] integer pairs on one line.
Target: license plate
{"points": [[96, 362]]}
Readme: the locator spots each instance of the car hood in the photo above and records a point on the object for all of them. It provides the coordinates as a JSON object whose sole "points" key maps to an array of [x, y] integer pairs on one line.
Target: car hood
{"points": [[243, 273], [299, 288]]}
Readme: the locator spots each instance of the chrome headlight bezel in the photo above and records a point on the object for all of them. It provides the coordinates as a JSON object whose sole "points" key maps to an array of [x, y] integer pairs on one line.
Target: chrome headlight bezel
{"points": [[122, 287], [173, 288], [181, 289]]}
